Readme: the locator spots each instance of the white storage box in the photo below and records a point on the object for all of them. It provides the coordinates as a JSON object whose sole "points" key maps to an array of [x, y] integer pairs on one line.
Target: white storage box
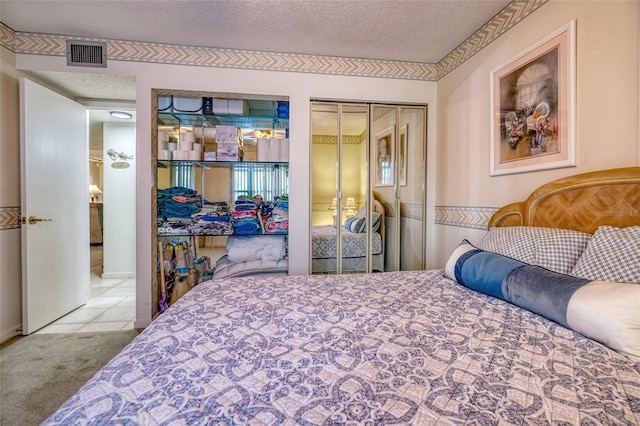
{"points": [[164, 102], [187, 104], [220, 106], [237, 107], [230, 107], [228, 157], [227, 134]]}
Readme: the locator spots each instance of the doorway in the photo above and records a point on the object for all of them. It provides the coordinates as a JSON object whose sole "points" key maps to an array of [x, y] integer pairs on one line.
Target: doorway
{"points": [[111, 304]]}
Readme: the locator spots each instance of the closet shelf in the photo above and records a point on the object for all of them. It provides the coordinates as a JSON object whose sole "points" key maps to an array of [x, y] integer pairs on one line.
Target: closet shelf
{"points": [[174, 119], [220, 164]]}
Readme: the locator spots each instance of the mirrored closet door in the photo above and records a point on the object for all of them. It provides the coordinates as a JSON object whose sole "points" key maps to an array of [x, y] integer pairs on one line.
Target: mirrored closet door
{"points": [[339, 188], [367, 167], [398, 159]]}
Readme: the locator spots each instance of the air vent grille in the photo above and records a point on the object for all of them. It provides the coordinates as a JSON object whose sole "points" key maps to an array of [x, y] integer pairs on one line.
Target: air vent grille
{"points": [[86, 54]]}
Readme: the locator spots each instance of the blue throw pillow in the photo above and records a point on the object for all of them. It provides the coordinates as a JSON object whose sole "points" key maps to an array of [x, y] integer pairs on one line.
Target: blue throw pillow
{"points": [[480, 270], [604, 311]]}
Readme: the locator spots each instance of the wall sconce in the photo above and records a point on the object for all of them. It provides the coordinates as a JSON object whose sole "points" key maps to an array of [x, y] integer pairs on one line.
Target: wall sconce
{"points": [[350, 207], [119, 159], [93, 190]]}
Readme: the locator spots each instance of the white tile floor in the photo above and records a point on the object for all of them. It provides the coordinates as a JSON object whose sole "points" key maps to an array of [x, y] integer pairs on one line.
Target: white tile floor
{"points": [[111, 305], [112, 302]]}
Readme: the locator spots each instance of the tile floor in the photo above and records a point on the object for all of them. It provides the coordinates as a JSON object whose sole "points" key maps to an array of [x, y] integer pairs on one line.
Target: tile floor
{"points": [[112, 302], [111, 306]]}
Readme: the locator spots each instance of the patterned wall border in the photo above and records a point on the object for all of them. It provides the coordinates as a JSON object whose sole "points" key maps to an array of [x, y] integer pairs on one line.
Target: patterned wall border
{"points": [[320, 207], [506, 19], [408, 210], [333, 140], [466, 217], [411, 211], [9, 217], [7, 37], [120, 50]]}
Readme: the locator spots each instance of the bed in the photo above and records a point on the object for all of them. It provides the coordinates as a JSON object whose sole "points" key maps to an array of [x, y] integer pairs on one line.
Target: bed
{"points": [[354, 243], [412, 347]]}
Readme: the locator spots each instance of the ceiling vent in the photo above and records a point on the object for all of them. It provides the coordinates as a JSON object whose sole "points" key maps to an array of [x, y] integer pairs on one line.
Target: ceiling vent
{"points": [[86, 53]]}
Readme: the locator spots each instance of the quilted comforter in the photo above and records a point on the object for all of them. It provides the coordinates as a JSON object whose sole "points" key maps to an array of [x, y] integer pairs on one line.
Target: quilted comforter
{"points": [[387, 348], [354, 245]]}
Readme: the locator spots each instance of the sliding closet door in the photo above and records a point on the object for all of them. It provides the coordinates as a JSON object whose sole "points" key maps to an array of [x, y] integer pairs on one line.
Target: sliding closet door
{"points": [[398, 138], [324, 187], [384, 134], [352, 188], [339, 188], [411, 161]]}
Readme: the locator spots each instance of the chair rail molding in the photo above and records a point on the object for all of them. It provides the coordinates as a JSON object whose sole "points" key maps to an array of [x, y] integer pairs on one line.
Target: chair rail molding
{"points": [[9, 217], [466, 217]]}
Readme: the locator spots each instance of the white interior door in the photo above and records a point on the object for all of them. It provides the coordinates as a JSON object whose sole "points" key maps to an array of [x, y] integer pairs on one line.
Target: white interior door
{"points": [[55, 205]]}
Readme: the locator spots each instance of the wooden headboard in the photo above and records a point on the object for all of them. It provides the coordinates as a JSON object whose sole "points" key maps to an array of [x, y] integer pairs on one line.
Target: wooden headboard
{"points": [[581, 202]]}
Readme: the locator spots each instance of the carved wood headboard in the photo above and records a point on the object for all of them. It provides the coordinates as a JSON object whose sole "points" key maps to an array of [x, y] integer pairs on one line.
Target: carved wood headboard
{"points": [[581, 202]]}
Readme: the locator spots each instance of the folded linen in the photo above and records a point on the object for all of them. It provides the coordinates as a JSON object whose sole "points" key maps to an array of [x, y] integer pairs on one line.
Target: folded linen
{"points": [[248, 248], [245, 228]]}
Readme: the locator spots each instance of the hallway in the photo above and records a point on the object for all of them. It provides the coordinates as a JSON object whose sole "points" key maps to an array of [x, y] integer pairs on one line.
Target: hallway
{"points": [[111, 305]]}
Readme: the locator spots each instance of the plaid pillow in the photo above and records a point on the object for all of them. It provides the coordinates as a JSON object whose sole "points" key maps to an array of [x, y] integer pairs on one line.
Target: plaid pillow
{"points": [[613, 254], [555, 249]]}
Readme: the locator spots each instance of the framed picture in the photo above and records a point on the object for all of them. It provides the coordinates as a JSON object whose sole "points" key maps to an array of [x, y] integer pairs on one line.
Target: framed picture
{"points": [[402, 155], [532, 100], [384, 157]]}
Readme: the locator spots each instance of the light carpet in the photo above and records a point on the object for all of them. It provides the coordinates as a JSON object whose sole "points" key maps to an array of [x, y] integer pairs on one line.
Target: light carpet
{"points": [[41, 371]]}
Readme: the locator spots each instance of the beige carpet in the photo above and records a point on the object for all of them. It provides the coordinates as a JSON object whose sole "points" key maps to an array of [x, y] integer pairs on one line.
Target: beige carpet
{"points": [[41, 371]]}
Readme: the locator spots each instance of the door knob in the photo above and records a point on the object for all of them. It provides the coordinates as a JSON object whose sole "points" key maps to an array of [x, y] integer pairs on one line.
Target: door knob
{"points": [[33, 220]]}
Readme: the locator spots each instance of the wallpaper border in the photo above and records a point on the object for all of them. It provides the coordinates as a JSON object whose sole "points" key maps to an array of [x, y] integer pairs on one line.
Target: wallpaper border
{"points": [[466, 217], [123, 50], [9, 217]]}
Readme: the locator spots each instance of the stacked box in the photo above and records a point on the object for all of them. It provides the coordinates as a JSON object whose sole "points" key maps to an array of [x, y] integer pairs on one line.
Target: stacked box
{"points": [[229, 143], [273, 150], [229, 107]]}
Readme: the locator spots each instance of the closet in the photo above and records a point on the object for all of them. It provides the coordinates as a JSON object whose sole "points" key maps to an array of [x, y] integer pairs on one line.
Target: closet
{"points": [[220, 202], [367, 187]]}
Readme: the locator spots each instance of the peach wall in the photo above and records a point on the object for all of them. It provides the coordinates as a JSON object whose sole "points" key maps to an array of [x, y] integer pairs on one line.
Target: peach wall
{"points": [[607, 114]]}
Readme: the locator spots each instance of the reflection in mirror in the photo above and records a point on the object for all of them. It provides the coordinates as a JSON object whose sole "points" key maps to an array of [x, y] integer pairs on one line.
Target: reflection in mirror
{"points": [[399, 134], [411, 185], [324, 187], [383, 159], [367, 167], [353, 185], [339, 179]]}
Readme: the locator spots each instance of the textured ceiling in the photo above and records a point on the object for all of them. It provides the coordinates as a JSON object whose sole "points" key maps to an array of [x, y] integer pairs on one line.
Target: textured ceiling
{"points": [[423, 31], [401, 30]]}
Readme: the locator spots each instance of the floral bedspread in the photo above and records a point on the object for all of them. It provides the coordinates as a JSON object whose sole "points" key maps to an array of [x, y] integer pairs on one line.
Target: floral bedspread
{"points": [[386, 348]]}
